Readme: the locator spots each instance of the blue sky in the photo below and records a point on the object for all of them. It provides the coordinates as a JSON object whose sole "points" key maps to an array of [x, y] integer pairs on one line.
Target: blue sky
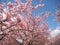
{"points": [[50, 6]]}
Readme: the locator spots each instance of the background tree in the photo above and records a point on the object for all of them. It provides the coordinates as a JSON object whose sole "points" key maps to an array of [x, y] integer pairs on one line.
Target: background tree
{"points": [[58, 15]]}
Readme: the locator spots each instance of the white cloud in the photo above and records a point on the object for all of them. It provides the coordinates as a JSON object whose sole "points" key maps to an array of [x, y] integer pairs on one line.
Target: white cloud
{"points": [[19, 40], [4, 16], [54, 32]]}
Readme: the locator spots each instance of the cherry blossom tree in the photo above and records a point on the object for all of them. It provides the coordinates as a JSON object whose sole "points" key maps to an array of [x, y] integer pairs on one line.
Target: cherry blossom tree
{"points": [[18, 26]]}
